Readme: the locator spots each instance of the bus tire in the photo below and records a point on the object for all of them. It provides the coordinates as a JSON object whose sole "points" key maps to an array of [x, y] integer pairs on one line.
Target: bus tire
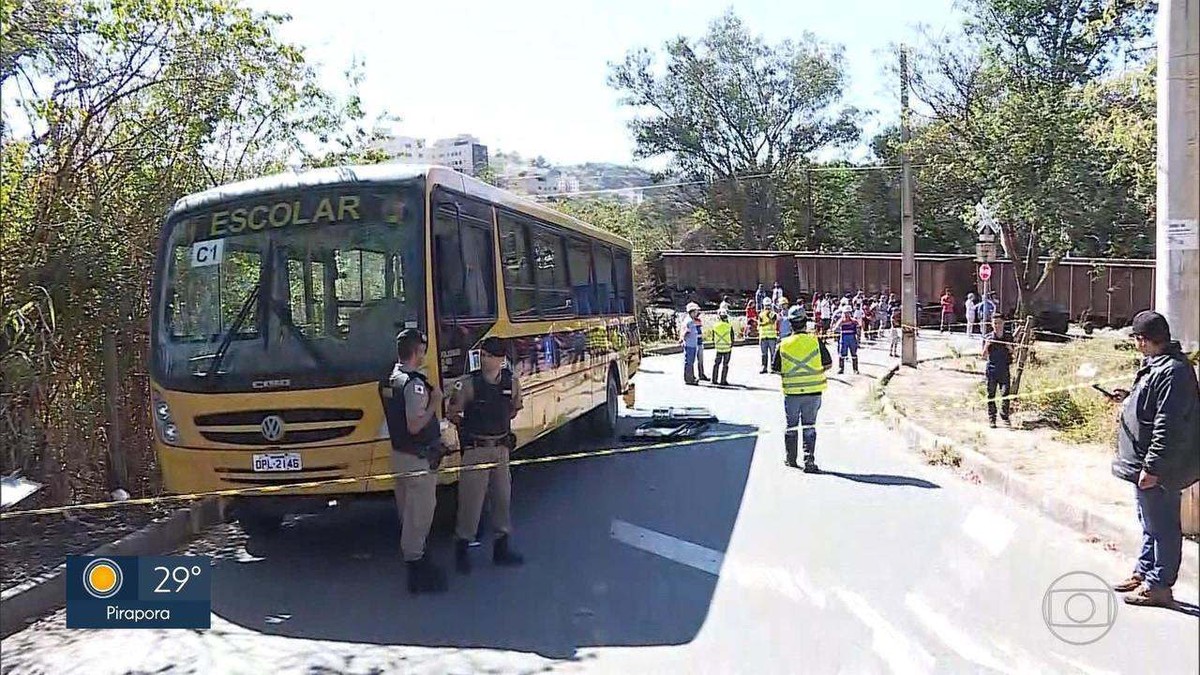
{"points": [[604, 418]]}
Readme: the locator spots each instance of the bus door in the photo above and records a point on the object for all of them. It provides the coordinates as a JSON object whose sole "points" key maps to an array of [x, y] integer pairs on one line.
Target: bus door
{"points": [[463, 273]]}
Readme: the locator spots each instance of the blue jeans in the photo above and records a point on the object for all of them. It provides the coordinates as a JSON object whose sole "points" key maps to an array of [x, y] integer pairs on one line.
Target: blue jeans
{"points": [[689, 364], [1162, 536], [767, 347], [799, 410]]}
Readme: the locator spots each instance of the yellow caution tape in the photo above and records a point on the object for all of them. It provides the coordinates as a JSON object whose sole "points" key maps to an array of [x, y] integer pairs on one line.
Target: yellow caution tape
{"points": [[587, 454]]}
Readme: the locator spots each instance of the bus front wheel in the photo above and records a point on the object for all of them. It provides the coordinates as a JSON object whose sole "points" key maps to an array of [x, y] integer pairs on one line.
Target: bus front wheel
{"points": [[604, 418]]}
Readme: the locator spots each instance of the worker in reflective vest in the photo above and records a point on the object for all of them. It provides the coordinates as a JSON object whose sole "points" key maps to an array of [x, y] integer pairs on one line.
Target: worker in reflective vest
{"points": [[804, 360], [723, 342], [848, 331], [768, 336]]}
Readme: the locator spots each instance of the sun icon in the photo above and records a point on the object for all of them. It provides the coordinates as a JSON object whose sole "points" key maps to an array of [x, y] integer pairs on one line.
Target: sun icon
{"points": [[102, 578]]}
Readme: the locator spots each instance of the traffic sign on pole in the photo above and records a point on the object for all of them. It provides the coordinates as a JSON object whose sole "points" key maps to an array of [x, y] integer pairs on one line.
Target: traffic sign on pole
{"points": [[985, 251], [985, 271], [987, 219]]}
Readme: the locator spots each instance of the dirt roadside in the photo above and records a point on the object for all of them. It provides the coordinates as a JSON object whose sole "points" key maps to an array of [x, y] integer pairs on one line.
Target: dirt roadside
{"points": [[948, 398]]}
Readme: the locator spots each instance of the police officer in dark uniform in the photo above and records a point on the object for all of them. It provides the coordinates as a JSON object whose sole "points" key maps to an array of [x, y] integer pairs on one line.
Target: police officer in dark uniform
{"points": [[487, 401], [410, 402]]}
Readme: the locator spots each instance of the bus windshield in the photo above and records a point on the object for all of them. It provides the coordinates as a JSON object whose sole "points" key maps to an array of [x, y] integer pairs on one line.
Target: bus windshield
{"points": [[289, 290]]}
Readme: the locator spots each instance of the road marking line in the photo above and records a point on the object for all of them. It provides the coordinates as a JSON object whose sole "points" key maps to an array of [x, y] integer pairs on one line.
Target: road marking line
{"points": [[901, 654], [790, 583], [991, 529], [954, 637], [684, 552]]}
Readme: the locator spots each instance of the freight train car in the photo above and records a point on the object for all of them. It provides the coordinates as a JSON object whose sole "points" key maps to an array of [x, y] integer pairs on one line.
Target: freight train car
{"points": [[880, 273], [1100, 291], [703, 276]]}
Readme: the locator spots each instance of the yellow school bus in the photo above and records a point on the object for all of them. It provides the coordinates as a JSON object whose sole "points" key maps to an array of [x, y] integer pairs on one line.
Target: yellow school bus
{"points": [[276, 301]]}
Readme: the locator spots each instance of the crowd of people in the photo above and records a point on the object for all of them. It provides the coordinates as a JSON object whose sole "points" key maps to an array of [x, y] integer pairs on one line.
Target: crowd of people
{"points": [[851, 318]]}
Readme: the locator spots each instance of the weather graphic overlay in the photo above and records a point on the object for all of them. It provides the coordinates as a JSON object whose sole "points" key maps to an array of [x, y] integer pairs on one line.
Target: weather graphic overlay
{"points": [[139, 592]]}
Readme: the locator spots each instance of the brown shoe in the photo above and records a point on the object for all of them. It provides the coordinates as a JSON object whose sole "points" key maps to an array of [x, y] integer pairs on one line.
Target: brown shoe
{"points": [[1145, 596], [1129, 585]]}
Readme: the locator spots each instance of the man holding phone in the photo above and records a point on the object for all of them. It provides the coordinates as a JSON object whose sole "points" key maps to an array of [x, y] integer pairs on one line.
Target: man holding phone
{"points": [[997, 349], [1158, 449]]}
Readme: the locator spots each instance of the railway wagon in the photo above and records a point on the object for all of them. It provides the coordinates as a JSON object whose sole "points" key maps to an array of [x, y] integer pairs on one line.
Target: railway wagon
{"points": [[881, 273], [705, 275], [1102, 291]]}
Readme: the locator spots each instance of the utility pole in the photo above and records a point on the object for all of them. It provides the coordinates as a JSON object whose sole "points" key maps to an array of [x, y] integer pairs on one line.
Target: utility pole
{"points": [[908, 247], [1177, 259], [1177, 266]]}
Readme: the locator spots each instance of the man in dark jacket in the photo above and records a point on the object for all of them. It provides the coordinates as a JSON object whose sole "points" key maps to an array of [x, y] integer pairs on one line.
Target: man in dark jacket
{"points": [[1158, 449]]}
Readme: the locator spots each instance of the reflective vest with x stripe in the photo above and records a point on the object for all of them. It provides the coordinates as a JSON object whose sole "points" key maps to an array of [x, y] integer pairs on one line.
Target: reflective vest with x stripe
{"points": [[800, 361], [723, 336]]}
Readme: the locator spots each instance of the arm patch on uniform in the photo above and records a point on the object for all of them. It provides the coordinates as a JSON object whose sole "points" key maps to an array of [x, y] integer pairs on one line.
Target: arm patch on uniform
{"points": [[418, 388]]}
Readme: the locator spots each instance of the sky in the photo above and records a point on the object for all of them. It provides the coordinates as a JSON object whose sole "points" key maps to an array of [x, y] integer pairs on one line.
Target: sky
{"points": [[530, 75]]}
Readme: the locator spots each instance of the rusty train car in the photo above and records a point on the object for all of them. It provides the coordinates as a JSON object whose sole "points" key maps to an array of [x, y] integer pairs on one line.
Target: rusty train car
{"points": [[1102, 291]]}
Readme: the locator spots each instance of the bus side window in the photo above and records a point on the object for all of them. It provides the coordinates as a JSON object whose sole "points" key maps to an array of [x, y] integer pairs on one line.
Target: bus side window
{"points": [[463, 263], [624, 282], [553, 293], [605, 292], [521, 292], [579, 257]]}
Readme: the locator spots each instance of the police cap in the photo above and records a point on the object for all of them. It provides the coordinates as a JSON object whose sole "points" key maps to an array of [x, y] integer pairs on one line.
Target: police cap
{"points": [[411, 335], [494, 346]]}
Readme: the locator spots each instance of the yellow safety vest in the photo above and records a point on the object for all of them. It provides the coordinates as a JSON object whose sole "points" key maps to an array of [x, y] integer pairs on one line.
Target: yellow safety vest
{"points": [[722, 333], [800, 360], [766, 325]]}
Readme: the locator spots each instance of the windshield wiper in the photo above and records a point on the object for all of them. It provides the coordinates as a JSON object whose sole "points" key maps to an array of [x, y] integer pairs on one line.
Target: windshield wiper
{"points": [[279, 311], [227, 340]]}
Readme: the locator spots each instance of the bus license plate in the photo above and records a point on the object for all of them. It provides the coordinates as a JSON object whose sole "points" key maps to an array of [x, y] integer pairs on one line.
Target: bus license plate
{"points": [[278, 461]]}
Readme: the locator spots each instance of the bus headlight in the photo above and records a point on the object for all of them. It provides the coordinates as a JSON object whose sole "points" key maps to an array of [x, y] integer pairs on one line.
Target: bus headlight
{"points": [[164, 423]]}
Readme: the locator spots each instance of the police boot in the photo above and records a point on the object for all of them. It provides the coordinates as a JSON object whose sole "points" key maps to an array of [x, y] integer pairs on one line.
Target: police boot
{"points": [[462, 557], [425, 577], [789, 448], [810, 459], [854, 360], [503, 555], [841, 365]]}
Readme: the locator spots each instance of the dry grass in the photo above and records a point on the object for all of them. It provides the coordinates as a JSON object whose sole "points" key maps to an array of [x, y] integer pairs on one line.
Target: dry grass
{"points": [[1080, 414], [942, 455]]}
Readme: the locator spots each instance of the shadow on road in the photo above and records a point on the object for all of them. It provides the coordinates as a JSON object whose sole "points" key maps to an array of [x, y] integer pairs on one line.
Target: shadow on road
{"points": [[1186, 608], [884, 479], [339, 576], [742, 387]]}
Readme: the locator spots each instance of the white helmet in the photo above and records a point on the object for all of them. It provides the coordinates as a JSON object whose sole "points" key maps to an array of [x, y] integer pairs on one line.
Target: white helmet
{"points": [[692, 307]]}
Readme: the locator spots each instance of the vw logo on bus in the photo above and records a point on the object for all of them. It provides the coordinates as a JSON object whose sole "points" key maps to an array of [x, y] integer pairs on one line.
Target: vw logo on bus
{"points": [[272, 427]]}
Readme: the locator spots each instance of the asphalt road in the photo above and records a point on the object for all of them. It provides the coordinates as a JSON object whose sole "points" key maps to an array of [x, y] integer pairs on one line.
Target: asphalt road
{"points": [[709, 557]]}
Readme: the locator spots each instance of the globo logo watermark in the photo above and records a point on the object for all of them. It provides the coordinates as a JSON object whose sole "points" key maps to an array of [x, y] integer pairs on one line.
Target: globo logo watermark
{"points": [[1079, 608]]}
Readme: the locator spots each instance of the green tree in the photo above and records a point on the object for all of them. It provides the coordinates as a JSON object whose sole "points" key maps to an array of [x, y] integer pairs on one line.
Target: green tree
{"points": [[730, 108], [1009, 115], [113, 110]]}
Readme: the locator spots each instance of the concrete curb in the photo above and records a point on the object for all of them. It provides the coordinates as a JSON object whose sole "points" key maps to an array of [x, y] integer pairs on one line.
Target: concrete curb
{"points": [[1126, 535], [27, 602]]}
